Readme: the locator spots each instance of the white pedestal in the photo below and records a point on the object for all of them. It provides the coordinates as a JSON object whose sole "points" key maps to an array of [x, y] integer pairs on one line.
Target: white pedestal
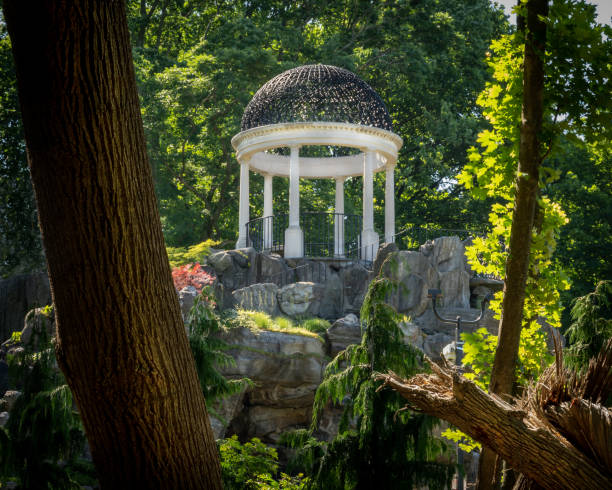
{"points": [[294, 243], [369, 245], [241, 242]]}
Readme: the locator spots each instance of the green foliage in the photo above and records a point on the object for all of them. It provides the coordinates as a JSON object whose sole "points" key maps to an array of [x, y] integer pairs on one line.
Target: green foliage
{"points": [[465, 442], [199, 64], [491, 171], [253, 465], [378, 444], [209, 350], [241, 462], [298, 482], [187, 255], [259, 320], [315, 325], [591, 327], [20, 244], [584, 191], [578, 55], [42, 443], [479, 354]]}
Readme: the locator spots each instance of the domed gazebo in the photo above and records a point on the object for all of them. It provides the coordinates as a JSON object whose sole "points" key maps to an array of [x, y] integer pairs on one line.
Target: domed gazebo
{"points": [[315, 105]]}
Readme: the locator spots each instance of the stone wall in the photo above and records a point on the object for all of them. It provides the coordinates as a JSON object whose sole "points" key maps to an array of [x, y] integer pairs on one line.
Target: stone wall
{"points": [[333, 289], [286, 369]]}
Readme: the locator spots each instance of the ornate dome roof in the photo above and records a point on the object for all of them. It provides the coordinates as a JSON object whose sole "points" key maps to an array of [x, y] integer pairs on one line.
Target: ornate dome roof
{"points": [[316, 93]]}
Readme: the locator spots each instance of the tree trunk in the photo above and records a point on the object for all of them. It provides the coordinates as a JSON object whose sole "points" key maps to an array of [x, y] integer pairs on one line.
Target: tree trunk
{"points": [[525, 202], [526, 442], [121, 341]]}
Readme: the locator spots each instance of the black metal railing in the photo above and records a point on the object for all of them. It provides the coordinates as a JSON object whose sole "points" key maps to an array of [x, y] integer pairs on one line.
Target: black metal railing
{"points": [[320, 232], [267, 234]]}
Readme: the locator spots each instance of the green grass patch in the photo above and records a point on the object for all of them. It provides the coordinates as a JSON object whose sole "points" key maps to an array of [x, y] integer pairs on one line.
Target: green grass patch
{"points": [[188, 255], [316, 325], [258, 320]]}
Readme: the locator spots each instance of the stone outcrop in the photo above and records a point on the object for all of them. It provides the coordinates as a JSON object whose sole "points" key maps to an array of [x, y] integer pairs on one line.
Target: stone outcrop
{"points": [[344, 283], [344, 332], [414, 275], [187, 297], [234, 270], [301, 299], [258, 297], [285, 370], [413, 335], [355, 280]]}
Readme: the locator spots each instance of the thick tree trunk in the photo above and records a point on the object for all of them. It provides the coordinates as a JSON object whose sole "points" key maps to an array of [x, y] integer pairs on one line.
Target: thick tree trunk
{"points": [[121, 341], [525, 202], [527, 443]]}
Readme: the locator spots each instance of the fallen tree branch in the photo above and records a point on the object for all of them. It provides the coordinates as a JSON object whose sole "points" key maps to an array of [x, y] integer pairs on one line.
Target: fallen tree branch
{"points": [[530, 445]]}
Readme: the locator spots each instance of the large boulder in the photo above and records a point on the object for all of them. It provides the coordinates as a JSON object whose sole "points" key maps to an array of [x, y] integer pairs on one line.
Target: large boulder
{"points": [[8, 400], [331, 301], [234, 267], [309, 270], [413, 335], [455, 287], [446, 253], [414, 274], [272, 269], [285, 369], [224, 411], [383, 252], [355, 280], [187, 297], [275, 357], [258, 297], [300, 299], [220, 261], [344, 332], [268, 423]]}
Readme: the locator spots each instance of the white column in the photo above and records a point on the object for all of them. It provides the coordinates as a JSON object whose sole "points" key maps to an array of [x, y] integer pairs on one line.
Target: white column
{"points": [[339, 220], [389, 204], [294, 238], [369, 238], [267, 212], [243, 206]]}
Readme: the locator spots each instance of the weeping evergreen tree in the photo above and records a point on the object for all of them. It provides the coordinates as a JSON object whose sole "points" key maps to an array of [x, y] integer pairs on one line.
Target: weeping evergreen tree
{"points": [[42, 443], [591, 327], [203, 325], [379, 445]]}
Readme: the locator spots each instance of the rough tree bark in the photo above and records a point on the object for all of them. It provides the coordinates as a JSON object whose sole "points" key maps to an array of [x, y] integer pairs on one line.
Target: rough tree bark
{"points": [[528, 444], [121, 341], [525, 202]]}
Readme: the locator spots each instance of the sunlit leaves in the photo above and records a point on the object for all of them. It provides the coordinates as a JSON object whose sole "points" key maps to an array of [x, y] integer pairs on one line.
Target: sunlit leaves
{"points": [[578, 64]]}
